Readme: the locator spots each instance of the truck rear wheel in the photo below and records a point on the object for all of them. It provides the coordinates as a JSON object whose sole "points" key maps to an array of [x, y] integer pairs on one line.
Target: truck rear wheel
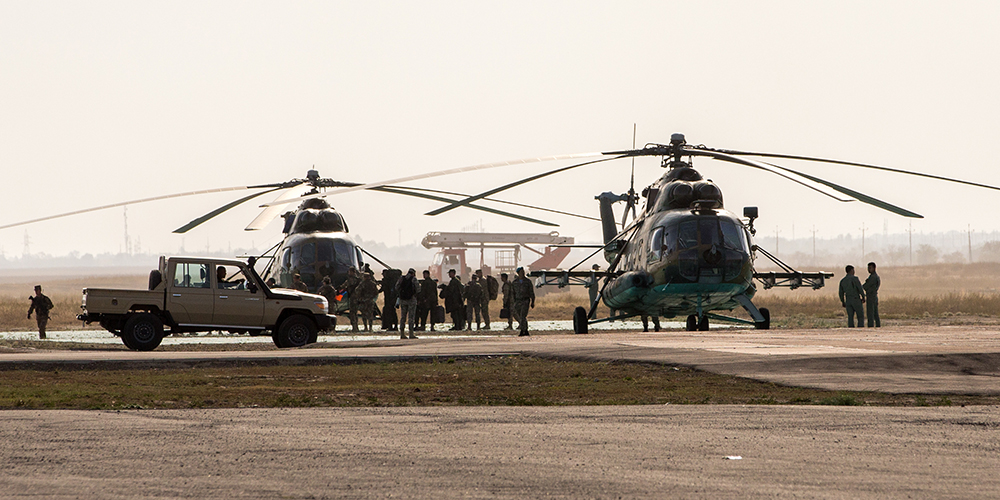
{"points": [[296, 331], [142, 332]]}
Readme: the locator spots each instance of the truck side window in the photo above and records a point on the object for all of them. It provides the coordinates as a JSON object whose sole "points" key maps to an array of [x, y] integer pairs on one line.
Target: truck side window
{"points": [[188, 275]]}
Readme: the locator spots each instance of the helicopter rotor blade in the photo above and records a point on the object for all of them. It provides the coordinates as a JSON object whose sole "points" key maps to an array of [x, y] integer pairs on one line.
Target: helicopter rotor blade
{"points": [[205, 218], [131, 202], [440, 173], [388, 189], [495, 200], [855, 164], [268, 214], [788, 174], [466, 201], [863, 198]]}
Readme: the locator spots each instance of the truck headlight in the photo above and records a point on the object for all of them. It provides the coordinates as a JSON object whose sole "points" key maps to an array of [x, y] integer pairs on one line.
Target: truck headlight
{"points": [[321, 304]]}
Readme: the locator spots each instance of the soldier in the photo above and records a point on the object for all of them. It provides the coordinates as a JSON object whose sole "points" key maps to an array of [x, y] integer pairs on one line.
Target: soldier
{"points": [[328, 291], [427, 300], [524, 298], [508, 297], [454, 303], [40, 305], [871, 287], [490, 289], [366, 293], [474, 302], [350, 285], [388, 289], [407, 288], [298, 284], [852, 296], [645, 323]]}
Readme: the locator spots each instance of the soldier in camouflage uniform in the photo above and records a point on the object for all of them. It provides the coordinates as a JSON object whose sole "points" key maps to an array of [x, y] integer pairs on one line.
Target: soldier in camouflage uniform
{"points": [[506, 289], [454, 302], [474, 300], [350, 285], [484, 281], [365, 293], [524, 299], [328, 291], [427, 300], [40, 305]]}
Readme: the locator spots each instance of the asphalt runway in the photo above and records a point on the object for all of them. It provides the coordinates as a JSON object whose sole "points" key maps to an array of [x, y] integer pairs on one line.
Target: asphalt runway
{"points": [[565, 452]]}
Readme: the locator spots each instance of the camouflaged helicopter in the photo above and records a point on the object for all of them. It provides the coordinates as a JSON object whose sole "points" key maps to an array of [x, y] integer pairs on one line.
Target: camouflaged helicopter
{"points": [[685, 254]]}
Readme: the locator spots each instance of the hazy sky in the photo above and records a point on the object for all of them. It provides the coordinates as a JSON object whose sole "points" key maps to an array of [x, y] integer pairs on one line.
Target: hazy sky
{"points": [[103, 102]]}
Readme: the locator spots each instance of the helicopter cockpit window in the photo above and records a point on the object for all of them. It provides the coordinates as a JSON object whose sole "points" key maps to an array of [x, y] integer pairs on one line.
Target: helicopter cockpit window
{"points": [[708, 229], [189, 275], [361, 260], [732, 235], [324, 250], [307, 254], [344, 256], [656, 244], [687, 234]]}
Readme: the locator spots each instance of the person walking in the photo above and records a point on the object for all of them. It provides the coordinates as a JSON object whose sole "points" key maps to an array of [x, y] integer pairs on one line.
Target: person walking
{"points": [[508, 297], [406, 289], [40, 305], [524, 299], [852, 297], [871, 287], [490, 290]]}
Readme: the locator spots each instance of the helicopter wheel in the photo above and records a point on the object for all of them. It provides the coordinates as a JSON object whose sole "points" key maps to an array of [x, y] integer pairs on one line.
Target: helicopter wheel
{"points": [[766, 324], [579, 320], [692, 323], [703, 324]]}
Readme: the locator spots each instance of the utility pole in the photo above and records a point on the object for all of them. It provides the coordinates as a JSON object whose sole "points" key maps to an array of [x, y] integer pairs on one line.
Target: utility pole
{"points": [[776, 231], [970, 243], [125, 218], [863, 241], [27, 245], [910, 230], [814, 244]]}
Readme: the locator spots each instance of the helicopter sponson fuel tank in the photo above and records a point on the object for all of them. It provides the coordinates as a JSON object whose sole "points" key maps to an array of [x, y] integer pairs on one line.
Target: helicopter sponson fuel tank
{"points": [[627, 289]]}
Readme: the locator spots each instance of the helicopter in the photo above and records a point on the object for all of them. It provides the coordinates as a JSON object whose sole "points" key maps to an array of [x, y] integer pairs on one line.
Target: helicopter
{"points": [[317, 242], [685, 254]]}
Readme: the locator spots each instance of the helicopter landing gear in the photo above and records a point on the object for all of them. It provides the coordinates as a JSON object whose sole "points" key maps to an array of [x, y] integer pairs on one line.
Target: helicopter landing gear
{"points": [[579, 320], [692, 323], [703, 324], [766, 324]]}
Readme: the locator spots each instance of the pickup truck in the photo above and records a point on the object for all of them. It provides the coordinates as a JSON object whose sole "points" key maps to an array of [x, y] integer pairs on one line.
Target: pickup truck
{"points": [[192, 294]]}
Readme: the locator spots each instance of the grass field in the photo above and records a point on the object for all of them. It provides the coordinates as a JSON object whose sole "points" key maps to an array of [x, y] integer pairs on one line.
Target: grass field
{"points": [[951, 293], [506, 381]]}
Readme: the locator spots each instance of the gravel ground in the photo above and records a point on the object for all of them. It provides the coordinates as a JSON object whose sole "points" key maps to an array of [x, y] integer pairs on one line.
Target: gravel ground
{"points": [[508, 452]]}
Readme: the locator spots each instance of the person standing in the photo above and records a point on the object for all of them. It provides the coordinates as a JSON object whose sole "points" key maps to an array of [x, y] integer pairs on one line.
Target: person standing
{"points": [[474, 302], [366, 293], [594, 287], [852, 297], [871, 287], [508, 297], [524, 299], [388, 289], [454, 303], [645, 323], [350, 285], [490, 290], [40, 305], [407, 288], [427, 300], [298, 284]]}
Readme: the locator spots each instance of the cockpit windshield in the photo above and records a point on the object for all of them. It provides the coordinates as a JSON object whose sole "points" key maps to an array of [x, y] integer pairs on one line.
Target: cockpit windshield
{"points": [[732, 235]]}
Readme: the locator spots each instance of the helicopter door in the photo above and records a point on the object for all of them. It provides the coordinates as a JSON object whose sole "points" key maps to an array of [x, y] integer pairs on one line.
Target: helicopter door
{"points": [[190, 300]]}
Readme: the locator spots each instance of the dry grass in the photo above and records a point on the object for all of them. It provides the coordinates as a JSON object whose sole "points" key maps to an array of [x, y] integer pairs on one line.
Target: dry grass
{"points": [[449, 382]]}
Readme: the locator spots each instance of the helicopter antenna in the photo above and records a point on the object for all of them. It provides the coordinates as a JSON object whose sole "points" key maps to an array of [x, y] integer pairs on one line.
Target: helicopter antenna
{"points": [[630, 204]]}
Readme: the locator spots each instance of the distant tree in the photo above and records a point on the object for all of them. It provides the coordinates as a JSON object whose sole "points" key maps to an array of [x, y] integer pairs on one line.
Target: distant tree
{"points": [[896, 255], [927, 254], [989, 252]]}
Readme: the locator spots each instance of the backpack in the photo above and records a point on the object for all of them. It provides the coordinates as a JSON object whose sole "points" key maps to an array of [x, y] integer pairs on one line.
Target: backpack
{"points": [[492, 287], [406, 289]]}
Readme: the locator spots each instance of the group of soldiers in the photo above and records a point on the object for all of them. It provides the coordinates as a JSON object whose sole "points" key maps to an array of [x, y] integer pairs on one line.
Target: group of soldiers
{"points": [[417, 300], [853, 294]]}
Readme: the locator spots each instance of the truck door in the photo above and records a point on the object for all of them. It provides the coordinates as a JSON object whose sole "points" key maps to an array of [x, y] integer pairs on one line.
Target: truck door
{"points": [[235, 303], [191, 299]]}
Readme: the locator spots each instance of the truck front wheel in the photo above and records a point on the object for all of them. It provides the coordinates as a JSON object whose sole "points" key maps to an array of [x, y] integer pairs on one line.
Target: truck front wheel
{"points": [[296, 331], [142, 332]]}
